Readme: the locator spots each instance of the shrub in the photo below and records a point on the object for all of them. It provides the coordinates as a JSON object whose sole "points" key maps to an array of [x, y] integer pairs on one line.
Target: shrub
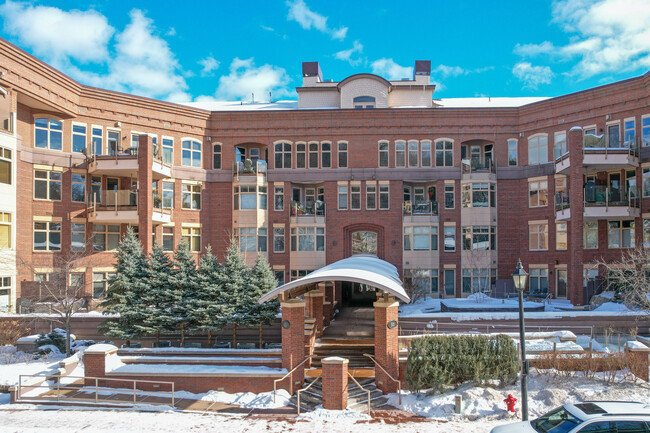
{"points": [[11, 331], [48, 343], [438, 361]]}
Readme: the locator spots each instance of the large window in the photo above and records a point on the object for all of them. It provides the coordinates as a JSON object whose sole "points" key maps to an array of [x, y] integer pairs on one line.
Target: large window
{"points": [[168, 195], [384, 197], [78, 138], [192, 236], [248, 197], [559, 146], [478, 195], [444, 153], [537, 149], [47, 236], [364, 242], [278, 239], [191, 196], [100, 283], [251, 239], [450, 238], [343, 154], [343, 197], [590, 235], [78, 236], [282, 152], [191, 153], [512, 152], [426, 279], [478, 280], [400, 153], [537, 193], [106, 237], [420, 238], [326, 155], [168, 151], [78, 189], [5, 230], [216, 156], [383, 154], [620, 234], [479, 238], [308, 239], [538, 280], [47, 185], [561, 236], [48, 134], [538, 236]]}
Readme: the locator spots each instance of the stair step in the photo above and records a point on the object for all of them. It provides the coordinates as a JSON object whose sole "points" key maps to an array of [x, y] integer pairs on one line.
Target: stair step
{"points": [[374, 403]]}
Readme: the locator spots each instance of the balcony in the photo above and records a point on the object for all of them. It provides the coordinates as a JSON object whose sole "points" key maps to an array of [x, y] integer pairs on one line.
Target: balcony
{"points": [[604, 202], [310, 212], [602, 154], [121, 207], [249, 168], [424, 211], [125, 164], [562, 206], [478, 168]]}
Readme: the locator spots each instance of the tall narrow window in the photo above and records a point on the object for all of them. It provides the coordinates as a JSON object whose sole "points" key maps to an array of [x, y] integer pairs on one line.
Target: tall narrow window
{"points": [[168, 238], [512, 152], [96, 189], [343, 197], [77, 237], [450, 238], [355, 197], [301, 151], [559, 147], [590, 234], [400, 153], [645, 131], [5, 230], [191, 153], [313, 155], [561, 236], [168, 151], [449, 196], [326, 155], [537, 149], [383, 154], [614, 136], [425, 145], [113, 142], [629, 133], [168, 195], [384, 199], [538, 237], [78, 138], [278, 239], [5, 166], [97, 140], [444, 154], [282, 153], [343, 154], [278, 198], [561, 283], [78, 188], [48, 134], [413, 153], [371, 197]]}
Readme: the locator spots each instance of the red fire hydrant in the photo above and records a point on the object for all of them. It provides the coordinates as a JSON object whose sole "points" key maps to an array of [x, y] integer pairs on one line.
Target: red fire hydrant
{"points": [[510, 402]]}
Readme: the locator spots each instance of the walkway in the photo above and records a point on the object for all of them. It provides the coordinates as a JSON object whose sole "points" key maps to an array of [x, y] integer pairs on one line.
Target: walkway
{"points": [[352, 323]]}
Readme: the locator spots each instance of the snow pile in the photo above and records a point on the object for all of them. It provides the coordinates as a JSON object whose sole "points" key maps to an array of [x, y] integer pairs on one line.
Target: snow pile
{"points": [[612, 307], [323, 415], [10, 355], [9, 373], [263, 400], [112, 362]]}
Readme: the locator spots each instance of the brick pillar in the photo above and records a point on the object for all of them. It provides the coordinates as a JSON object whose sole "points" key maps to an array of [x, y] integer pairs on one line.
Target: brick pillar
{"points": [[335, 383], [576, 224], [330, 296], [145, 198], [95, 360], [293, 342], [386, 351], [314, 301], [637, 356]]}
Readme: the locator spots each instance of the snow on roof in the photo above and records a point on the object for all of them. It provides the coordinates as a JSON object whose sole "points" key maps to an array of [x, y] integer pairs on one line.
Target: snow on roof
{"points": [[487, 102], [243, 106]]}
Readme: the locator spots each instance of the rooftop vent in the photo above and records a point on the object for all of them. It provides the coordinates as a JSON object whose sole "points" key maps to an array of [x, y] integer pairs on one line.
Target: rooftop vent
{"points": [[423, 67]]}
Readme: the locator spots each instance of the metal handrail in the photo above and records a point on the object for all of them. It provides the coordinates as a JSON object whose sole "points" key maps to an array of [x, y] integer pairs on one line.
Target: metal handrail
{"points": [[305, 389], [364, 390], [275, 382], [399, 384]]}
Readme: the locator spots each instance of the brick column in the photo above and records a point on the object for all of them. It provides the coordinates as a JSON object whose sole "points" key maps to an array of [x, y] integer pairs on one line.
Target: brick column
{"points": [[293, 342], [637, 355], [145, 198], [330, 296], [95, 360], [576, 224], [314, 301], [386, 350], [335, 383]]}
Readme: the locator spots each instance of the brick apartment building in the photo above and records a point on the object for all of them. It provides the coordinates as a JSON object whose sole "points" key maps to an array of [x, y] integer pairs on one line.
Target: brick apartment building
{"points": [[453, 190]]}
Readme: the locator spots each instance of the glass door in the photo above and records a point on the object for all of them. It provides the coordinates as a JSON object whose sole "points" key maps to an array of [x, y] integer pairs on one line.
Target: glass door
{"points": [[450, 283]]}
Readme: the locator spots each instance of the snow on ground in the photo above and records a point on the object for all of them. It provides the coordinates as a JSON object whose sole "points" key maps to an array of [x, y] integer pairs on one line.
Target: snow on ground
{"points": [[13, 364]]}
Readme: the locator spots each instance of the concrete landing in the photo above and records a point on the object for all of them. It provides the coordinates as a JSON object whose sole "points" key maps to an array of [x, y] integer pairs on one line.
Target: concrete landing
{"points": [[352, 322]]}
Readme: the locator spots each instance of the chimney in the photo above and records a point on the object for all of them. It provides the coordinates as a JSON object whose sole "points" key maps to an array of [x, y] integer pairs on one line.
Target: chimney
{"points": [[422, 71], [311, 73]]}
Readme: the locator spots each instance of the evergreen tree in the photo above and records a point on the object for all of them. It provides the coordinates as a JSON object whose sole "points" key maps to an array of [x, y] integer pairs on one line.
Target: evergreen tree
{"points": [[126, 290], [212, 307], [235, 280], [184, 282], [262, 282]]}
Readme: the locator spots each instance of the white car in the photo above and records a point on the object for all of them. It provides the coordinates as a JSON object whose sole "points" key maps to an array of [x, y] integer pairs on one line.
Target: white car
{"points": [[591, 416]]}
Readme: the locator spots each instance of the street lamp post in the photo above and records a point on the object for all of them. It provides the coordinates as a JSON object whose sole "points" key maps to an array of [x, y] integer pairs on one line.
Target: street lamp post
{"points": [[519, 277]]}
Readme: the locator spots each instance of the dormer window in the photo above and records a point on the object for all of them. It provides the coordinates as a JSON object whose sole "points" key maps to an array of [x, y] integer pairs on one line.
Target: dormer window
{"points": [[361, 102]]}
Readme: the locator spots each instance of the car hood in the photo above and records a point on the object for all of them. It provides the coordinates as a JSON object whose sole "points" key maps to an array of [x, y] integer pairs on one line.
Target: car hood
{"points": [[517, 427]]}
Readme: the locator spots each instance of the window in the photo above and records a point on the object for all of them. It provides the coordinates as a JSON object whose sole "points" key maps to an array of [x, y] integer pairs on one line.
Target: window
{"points": [[478, 280], [426, 153], [364, 242], [537, 193], [560, 288], [343, 154], [78, 236], [444, 154], [343, 197], [278, 198], [100, 283], [613, 135], [78, 187], [168, 238], [5, 165], [135, 140], [106, 237], [216, 156], [561, 236], [629, 133], [5, 230], [313, 155], [414, 153], [168, 151], [620, 234], [590, 234], [326, 155], [450, 238], [400, 153], [371, 196], [192, 236], [168, 195], [282, 154], [421, 238], [191, 196], [191, 153], [278, 239], [450, 282], [355, 197], [479, 238], [383, 197], [538, 280], [113, 141], [537, 149], [96, 136], [361, 102], [538, 236], [308, 239], [77, 279], [645, 181], [559, 147], [449, 196], [477, 195], [48, 134], [262, 198], [248, 197], [78, 138], [383, 154], [301, 155], [645, 131], [96, 189], [251, 239], [47, 185], [295, 273], [512, 152]]}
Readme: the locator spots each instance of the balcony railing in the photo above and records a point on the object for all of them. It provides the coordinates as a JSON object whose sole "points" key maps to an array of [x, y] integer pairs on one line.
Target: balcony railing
{"points": [[420, 208], [600, 195], [561, 201], [315, 209], [248, 167], [602, 143], [478, 166]]}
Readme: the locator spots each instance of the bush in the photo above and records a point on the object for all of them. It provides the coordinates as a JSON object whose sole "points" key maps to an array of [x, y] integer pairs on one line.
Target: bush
{"points": [[48, 343], [11, 331], [438, 361]]}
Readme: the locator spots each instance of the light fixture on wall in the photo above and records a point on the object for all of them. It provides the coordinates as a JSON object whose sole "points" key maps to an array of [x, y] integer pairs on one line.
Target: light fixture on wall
{"points": [[118, 124]]}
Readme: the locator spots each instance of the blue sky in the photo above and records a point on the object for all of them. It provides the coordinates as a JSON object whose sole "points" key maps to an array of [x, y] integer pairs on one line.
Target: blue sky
{"points": [[221, 50]]}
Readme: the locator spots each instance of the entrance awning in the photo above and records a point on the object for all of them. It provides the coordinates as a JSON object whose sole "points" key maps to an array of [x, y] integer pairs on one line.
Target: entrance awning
{"points": [[361, 268]]}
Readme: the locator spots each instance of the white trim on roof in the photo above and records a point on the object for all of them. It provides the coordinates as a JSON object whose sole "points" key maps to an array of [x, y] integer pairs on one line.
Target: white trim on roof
{"points": [[360, 268]]}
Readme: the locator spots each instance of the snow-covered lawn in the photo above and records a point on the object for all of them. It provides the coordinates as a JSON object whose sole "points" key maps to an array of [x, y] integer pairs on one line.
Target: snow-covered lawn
{"points": [[13, 364]]}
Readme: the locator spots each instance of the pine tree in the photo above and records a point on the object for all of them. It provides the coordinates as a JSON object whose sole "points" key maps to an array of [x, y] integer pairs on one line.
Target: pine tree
{"points": [[126, 290], [212, 307], [235, 281], [185, 283], [262, 282]]}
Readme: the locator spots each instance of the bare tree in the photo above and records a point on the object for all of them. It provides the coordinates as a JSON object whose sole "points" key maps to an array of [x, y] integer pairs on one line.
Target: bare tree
{"points": [[416, 283], [478, 263], [630, 277]]}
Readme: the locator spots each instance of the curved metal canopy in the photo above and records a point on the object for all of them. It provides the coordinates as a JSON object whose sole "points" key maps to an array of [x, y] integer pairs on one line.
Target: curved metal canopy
{"points": [[360, 268]]}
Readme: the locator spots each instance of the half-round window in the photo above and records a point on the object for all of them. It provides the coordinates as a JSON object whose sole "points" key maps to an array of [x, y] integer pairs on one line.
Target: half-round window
{"points": [[364, 102]]}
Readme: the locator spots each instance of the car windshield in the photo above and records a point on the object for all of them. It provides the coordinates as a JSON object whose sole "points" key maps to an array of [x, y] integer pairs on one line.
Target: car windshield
{"points": [[556, 421]]}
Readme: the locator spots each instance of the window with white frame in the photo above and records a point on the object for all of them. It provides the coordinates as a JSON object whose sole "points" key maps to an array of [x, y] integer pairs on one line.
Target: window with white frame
{"points": [[168, 195], [101, 283], [355, 197], [371, 196], [47, 236], [251, 239], [425, 146], [47, 185], [167, 150], [301, 155], [414, 153], [78, 187], [449, 196], [512, 152], [307, 239], [106, 237], [248, 197], [620, 234], [538, 236], [629, 133], [400, 153], [478, 195], [559, 146], [5, 166], [216, 156], [168, 238], [590, 235], [79, 137], [561, 236], [313, 155], [278, 239], [343, 197], [278, 198], [326, 155], [343, 154], [190, 196], [645, 130], [421, 238], [478, 280], [191, 153], [537, 193], [477, 238], [537, 149], [5, 230], [444, 153], [383, 153], [192, 236], [450, 238], [384, 199], [97, 139], [48, 133], [282, 154], [538, 280], [113, 141], [78, 236]]}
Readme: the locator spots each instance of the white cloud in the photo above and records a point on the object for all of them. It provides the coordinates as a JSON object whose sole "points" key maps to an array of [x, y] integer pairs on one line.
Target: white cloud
{"points": [[57, 35], [532, 76], [346, 55], [210, 64], [390, 70], [447, 71], [246, 79], [300, 12], [606, 36], [267, 28]]}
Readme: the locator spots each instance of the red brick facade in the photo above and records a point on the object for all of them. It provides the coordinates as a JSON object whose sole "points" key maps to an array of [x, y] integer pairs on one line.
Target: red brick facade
{"points": [[335, 383], [386, 344]]}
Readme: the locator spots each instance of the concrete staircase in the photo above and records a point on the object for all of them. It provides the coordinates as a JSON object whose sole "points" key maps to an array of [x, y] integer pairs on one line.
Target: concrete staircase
{"points": [[357, 398], [350, 349]]}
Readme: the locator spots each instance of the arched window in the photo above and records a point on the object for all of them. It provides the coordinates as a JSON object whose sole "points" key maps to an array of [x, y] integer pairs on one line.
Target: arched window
{"points": [[191, 153], [364, 102]]}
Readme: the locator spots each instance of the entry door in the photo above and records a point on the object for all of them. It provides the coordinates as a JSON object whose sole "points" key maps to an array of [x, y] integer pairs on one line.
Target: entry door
{"points": [[450, 283], [615, 187]]}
